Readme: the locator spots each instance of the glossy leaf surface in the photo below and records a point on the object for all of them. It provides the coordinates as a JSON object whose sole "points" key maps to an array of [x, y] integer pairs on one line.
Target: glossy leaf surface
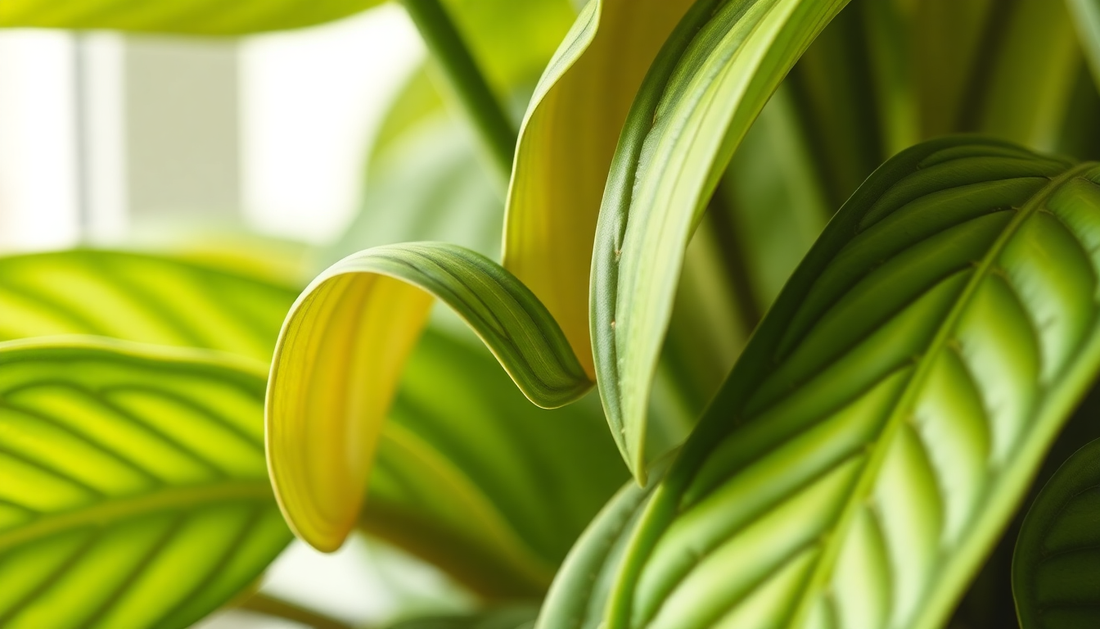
{"points": [[143, 298], [341, 353], [133, 488], [569, 135], [1055, 572], [474, 478], [710, 81], [885, 419]]}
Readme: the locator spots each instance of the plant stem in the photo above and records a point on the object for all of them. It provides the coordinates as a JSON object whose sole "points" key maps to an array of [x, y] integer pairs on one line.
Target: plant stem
{"points": [[264, 604], [473, 91]]}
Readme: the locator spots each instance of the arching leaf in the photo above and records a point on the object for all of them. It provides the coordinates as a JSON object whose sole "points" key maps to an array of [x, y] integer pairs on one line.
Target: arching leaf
{"points": [[505, 617], [143, 298], [884, 421], [565, 148], [133, 489], [475, 479], [709, 82], [1054, 568], [340, 356]]}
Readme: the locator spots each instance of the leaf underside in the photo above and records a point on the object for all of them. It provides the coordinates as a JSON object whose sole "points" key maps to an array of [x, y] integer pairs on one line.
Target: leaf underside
{"points": [[342, 351], [134, 486], [883, 423], [1055, 568]]}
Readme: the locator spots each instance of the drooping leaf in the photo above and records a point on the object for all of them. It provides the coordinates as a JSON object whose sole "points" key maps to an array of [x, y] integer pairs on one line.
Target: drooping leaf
{"points": [[1055, 573], [475, 479], [133, 488], [1086, 17], [565, 148], [340, 356], [143, 298], [885, 419], [709, 82]]}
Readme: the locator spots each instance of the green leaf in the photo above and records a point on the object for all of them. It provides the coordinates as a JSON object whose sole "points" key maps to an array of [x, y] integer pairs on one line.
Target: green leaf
{"points": [[569, 135], [1031, 78], [1054, 569], [888, 414], [140, 298], [134, 490], [1086, 16], [709, 82], [340, 356], [195, 17], [507, 617], [475, 479]]}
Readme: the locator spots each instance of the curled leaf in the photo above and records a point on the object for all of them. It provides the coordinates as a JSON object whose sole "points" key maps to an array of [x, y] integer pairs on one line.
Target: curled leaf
{"points": [[341, 353]]}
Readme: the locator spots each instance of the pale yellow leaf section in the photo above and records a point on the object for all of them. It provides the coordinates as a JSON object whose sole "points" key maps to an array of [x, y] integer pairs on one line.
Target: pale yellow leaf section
{"points": [[337, 370], [566, 143]]}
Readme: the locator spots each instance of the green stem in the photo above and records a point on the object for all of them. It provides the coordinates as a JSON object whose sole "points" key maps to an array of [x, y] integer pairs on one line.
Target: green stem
{"points": [[473, 91], [270, 606]]}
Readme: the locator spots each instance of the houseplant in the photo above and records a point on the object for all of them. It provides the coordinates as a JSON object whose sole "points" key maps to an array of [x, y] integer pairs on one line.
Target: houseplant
{"points": [[879, 430]]}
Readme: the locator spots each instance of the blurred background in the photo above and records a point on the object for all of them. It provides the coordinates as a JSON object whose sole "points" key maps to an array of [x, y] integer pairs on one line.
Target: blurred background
{"points": [[192, 143]]}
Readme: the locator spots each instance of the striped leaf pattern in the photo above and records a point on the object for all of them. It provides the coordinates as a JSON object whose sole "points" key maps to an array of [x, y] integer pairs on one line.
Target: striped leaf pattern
{"points": [[134, 490], [885, 420], [1055, 568], [711, 79], [142, 298]]}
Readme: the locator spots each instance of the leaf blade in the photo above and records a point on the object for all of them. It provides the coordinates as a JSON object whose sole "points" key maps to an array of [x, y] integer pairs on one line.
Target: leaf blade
{"points": [[715, 73], [156, 462], [858, 481], [368, 308]]}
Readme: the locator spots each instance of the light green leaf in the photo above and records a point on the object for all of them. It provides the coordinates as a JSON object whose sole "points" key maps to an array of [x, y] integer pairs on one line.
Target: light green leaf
{"points": [[340, 356], [1054, 568], [712, 78], [1086, 16], [475, 479], [197, 17], [569, 135], [133, 488], [885, 419], [141, 298]]}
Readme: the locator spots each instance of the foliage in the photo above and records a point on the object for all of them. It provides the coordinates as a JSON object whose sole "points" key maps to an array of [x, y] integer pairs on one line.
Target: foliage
{"points": [[827, 425]]}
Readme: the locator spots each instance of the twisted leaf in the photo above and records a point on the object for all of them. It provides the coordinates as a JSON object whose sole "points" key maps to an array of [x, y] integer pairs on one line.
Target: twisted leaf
{"points": [[1054, 569], [569, 135], [133, 489], [884, 421], [141, 298], [709, 82], [341, 352]]}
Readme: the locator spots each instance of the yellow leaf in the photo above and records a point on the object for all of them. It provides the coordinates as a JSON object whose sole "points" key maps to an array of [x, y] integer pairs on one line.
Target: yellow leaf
{"points": [[566, 143]]}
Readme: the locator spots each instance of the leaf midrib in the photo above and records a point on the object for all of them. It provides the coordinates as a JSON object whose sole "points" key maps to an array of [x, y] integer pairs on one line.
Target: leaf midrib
{"points": [[107, 512], [870, 474]]}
